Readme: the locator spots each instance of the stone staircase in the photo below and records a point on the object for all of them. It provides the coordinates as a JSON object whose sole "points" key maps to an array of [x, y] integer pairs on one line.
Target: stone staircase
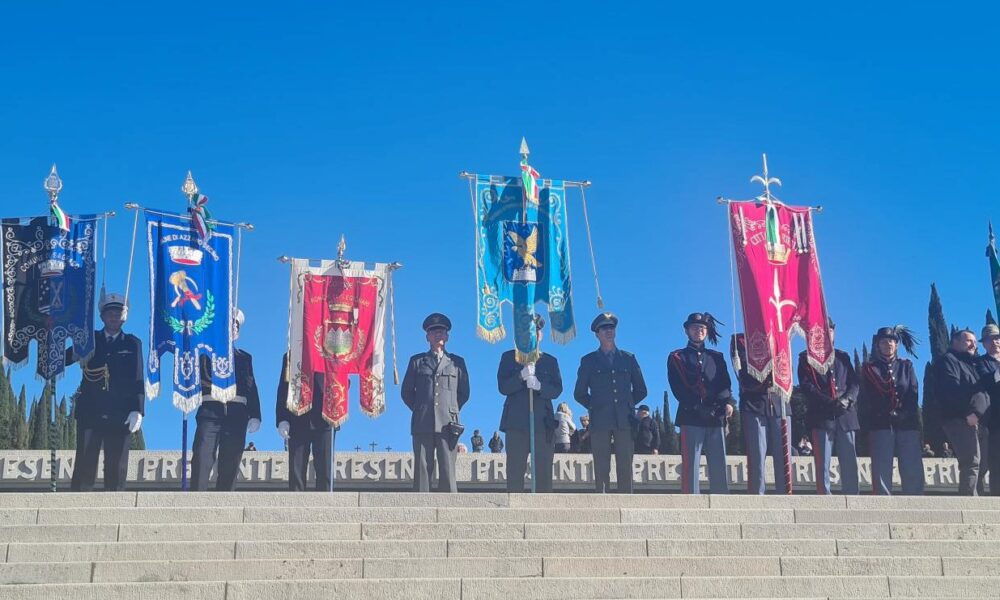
{"points": [[267, 545]]}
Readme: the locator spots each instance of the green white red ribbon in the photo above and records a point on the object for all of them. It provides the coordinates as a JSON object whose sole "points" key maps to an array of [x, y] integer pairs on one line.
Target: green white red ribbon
{"points": [[530, 177], [201, 218], [59, 217]]}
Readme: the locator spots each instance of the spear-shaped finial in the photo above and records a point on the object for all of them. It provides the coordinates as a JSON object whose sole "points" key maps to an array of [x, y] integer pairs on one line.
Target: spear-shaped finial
{"points": [[53, 184], [766, 180], [190, 188], [341, 248], [524, 148]]}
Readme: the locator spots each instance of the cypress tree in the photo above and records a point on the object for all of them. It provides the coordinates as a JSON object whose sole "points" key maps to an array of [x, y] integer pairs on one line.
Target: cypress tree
{"points": [[33, 418], [138, 441], [938, 340], [8, 410], [668, 437], [71, 423], [21, 424], [798, 414], [864, 352], [857, 362], [61, 425], [989, 317], [734, 439]]}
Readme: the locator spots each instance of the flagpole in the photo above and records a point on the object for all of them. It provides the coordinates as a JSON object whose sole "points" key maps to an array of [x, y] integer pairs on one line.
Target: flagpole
{"points": [[53, 185], [531, 392]]}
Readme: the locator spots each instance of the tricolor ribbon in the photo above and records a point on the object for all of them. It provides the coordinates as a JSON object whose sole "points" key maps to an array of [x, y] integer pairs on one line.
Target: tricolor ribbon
{"points": [[201, 218], [530, 177], [60, 218]]}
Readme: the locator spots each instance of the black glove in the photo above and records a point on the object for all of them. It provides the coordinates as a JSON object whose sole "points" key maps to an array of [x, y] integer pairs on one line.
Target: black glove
{"points": [[711, 411], [842, 405]]}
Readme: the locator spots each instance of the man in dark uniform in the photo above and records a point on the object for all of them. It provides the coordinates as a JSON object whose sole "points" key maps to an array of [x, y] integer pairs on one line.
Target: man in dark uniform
{"points": [[435, 388], [832, 417], [760, 414], [110, 401], [514, 381], [889, 412], [305, 434], [580, 440], [647, 437], [223, 426], [963, 400], [609, 384], [989, 368], [700, 381]]}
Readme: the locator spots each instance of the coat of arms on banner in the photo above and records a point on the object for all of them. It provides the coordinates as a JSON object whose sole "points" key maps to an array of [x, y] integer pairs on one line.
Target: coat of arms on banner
{"points": [[780, 288], [191, 314], [48, 290], [522, 257], [337, 328]]}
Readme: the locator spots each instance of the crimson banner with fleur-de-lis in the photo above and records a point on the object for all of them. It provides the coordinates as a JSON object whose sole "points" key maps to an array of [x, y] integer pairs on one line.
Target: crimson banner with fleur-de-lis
{"points": [[780, 288], [191, 309]]}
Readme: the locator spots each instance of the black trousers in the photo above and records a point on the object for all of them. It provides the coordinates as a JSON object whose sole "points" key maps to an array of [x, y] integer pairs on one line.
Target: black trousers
{"points": [[318, 442], [430, 449], [518, 449], [115, 439], [219, 442], [600, 449]]}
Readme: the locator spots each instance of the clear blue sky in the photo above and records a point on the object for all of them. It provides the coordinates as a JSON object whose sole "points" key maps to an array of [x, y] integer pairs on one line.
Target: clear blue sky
{"points": [[316, 120]]}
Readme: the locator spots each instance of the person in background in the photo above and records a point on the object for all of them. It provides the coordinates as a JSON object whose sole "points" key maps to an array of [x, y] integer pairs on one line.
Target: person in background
{"points": [[963, 401], [946, 451], [647, 439], [580, 440], [927, 452], [477, 441], [496, 444], [564, 428]]}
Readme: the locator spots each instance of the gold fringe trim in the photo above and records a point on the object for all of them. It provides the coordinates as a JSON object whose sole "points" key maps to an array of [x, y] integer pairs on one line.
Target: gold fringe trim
{"points": [[564, 338], [295, 409], [224, 394], [152, 390], [335, 422], [491, 335], [186, 405], [524, 358]]}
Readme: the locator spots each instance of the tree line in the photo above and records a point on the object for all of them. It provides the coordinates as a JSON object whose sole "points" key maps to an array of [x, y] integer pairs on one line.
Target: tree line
{"points": [[26, 425]]}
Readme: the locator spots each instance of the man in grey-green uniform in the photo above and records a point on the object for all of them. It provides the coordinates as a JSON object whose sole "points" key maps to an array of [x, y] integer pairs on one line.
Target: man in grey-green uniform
{"points": [[435, 388]]}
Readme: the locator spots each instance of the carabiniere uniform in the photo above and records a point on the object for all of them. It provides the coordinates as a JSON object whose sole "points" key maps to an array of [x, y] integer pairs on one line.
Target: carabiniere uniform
{"points": [[112, 387], [699, 379], [222, 426], [888, 409], [309, 433]]}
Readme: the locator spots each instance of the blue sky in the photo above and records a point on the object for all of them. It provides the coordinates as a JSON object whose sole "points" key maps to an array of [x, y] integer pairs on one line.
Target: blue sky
{"points": [[316, 120]]}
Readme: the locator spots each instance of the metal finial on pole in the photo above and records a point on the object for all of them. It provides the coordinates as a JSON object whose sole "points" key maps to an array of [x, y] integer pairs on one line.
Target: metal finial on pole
{"points": [[190, 188], [766, 180], [53, 184], [341, 248], [524, 148]]}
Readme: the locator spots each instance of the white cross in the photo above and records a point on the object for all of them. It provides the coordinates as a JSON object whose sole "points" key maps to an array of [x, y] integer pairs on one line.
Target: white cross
{"points": [[778, 303]]}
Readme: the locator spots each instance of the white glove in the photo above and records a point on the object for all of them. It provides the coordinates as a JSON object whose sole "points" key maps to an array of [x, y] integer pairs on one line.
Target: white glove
{"points": [[528, 371], [253, 425], [283, 430], [134, 421], [533, 383]]}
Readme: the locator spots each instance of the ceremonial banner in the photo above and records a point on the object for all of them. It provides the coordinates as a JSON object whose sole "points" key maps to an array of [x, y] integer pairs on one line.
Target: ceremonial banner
{"points": [[336, 327], [522, 257], [48, 290], [780, 288], [991, 255], [191, 308]]}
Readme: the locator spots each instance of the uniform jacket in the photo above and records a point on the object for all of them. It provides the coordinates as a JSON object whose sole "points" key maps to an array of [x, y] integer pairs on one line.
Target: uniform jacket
{"points": [[647, 436], [515, 407], [312, 420], [959, 386], [435, 390], [823, 391], [113, 384], [246, 388], [698, 377], [609, 390], [888, 387]]}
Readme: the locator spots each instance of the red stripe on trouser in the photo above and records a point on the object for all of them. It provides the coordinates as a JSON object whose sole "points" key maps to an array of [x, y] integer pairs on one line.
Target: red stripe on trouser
{"points": [[685, 476], [786, 443], [818, 452], [746, 440]]}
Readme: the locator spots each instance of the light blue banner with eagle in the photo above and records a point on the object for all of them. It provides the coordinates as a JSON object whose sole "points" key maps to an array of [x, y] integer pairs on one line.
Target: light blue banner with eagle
{"points": [[522, 257], [191, 316]]}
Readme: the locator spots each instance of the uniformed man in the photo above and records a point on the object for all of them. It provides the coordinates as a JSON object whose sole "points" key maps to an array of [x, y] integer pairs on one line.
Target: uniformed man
{"points": [[223, 426], [110, 402], [989, 366], [760, 414], [514, 381], [889, 413], [435, 388], [647, 437], [963, 401], [832, 417], [305, 434], [700, 381], [609, 384]]}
